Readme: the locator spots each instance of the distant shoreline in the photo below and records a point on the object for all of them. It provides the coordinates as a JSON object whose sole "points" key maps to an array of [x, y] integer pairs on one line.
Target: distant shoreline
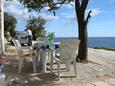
{"points": [[105, 48]]}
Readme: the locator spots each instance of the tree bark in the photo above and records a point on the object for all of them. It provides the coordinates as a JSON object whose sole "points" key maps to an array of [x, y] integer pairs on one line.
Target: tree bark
{"points": [[82, 28], [82, 53]]}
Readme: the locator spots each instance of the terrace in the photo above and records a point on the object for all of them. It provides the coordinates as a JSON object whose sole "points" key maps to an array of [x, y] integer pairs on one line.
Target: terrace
{"points": [[99, 71]]}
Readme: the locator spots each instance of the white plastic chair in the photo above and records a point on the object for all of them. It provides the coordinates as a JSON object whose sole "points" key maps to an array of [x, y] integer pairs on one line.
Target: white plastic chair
{"points": [[19, 49], [67, 53]]}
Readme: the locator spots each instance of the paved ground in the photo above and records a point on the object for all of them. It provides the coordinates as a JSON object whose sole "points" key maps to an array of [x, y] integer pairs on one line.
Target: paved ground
{"points": [[99, 72]]}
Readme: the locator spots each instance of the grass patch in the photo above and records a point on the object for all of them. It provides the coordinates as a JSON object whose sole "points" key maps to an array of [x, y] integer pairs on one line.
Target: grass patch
{"points": [[105, 48]]}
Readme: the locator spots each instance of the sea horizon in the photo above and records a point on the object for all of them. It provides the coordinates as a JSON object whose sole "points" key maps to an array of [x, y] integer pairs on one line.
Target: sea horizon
{"points": [[108, 42]]}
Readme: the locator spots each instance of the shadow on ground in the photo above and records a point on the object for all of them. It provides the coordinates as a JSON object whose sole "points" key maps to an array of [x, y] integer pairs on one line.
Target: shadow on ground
{"points": [[27, 77]]}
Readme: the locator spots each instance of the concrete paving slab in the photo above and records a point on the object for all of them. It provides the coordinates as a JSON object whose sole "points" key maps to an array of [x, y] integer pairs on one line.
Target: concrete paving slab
{"points": [[111, 81], [101, 83], [89, 85]]}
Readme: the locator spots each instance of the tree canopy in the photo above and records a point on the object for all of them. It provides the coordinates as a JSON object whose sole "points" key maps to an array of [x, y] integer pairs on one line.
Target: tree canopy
{"points": [[38, 5], [9, 25], [37, 26]]}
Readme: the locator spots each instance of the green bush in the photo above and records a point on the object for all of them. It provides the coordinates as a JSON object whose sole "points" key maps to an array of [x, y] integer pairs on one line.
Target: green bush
{"points": [[105, 48]]}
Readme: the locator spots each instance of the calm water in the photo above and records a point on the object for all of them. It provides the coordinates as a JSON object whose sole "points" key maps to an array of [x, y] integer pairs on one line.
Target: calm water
{"points": [[95, 41]]}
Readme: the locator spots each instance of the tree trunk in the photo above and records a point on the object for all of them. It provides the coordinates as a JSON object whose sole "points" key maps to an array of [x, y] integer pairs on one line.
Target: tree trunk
{"points": [[82, 53], [82, 30], [80, 8]]}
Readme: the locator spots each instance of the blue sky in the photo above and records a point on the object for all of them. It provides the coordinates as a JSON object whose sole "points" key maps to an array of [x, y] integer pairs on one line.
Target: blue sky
{"points": [[64, 24]]}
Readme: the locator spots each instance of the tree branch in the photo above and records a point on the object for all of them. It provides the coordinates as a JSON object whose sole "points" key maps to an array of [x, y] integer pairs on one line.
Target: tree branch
{"points": [[38, 5], [88, 16], [77, 6], [84, 5], [60, 3]]}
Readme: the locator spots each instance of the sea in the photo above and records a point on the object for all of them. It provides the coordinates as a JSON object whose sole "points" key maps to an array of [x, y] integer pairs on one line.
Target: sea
{"points": [[108, 42]]}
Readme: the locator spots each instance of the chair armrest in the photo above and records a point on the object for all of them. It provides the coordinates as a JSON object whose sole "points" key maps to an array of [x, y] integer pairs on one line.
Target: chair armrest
{"points": [[57, 60], [27, 47], [56, 51], [57, 55]]}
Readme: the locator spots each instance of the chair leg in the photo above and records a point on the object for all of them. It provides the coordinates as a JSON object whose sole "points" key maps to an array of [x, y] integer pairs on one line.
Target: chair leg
{"points": [[34, 64], [38, 59], [75, 69], [51, 62], [48, 54], [30, 49], [68, 66], [20, 64], [58, 64]]}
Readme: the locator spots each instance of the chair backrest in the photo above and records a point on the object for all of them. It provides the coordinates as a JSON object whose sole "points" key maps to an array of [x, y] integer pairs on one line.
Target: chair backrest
{"points": [[41, 40], [18, 46], [68, 49]]}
